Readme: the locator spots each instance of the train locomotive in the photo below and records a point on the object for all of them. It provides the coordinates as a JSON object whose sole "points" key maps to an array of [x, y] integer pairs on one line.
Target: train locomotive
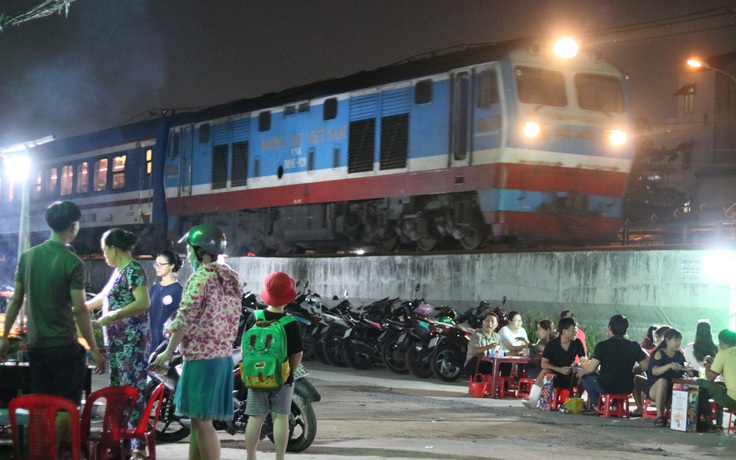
{"points": [[496, 142]]}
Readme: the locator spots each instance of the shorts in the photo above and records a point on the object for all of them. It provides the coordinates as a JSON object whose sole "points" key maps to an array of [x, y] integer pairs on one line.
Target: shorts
{"points": [[262, 402], [59, 371], [205, 389]]}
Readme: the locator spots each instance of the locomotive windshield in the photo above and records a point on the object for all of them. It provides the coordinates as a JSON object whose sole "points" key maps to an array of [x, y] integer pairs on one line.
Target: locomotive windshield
{"points": [[599, 92], [541, 86]]}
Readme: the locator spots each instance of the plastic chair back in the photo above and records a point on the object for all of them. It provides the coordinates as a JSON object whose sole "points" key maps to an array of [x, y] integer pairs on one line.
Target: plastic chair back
{"points": [[144, 431], [119, 403], [41, 440]]}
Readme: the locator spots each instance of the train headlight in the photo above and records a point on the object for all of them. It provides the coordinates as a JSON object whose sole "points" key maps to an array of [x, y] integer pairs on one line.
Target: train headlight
{"points": [[614, 137], [533, 130], [566, 48]]}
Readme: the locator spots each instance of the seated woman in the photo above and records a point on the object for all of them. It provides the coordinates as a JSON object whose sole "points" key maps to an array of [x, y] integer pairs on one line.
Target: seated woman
{"points": [[666, 364], [695, 352], [482, 342], [648, 343], [558, 358], [545, 333], [514, 339]]}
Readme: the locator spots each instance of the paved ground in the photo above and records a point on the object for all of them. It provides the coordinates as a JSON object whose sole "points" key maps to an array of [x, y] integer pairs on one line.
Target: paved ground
{"points": [[378, 415]]}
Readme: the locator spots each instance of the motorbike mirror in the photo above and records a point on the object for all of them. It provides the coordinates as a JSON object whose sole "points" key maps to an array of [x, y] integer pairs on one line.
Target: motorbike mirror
{"points": [[335, 297], [416, 288], [345, 294], [503, 300], [298, 282]]}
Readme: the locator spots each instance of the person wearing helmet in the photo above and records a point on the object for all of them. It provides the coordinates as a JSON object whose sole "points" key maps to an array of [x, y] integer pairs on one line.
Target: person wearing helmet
{"points": [[205, 326]]}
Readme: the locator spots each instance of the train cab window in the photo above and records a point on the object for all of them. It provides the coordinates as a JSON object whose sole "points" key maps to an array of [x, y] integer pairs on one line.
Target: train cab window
{"points": [[82, 177], [329, 110], [599, 92], [540, 86], [67, 180], [486, 92], [423, 92], [118, 172], [53, 181], [264, 121], [100, 182]]}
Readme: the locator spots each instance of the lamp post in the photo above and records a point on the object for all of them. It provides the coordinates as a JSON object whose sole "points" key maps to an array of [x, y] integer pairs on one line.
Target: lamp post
{"points": [[18, 166], [698, 64]]}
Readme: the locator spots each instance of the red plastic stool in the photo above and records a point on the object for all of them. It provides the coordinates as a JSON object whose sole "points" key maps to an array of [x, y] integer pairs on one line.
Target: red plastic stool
{"points": [[506, 387], [524, 387], [650, 412], [559, 396], [731, 424], [605, 403]]}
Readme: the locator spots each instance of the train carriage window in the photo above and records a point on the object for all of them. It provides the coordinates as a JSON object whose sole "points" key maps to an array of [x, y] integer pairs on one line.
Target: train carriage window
{"points": [[423, 92], [82, 178], [149, 161], [53, 181], [118, 172], [100, 182], [264, 121], [329, 110], [219, 166], [239, 168], [67, 180], [37, 186], [540, 86], [303, 107], [599, 92], [486, 92]]}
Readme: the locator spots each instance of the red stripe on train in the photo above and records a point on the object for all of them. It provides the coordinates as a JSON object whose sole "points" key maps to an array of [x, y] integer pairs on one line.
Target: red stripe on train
{"points": [[472, 178]]}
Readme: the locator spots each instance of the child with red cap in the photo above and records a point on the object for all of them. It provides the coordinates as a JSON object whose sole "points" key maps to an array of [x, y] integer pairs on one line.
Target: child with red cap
{"points": [[278, 291]]}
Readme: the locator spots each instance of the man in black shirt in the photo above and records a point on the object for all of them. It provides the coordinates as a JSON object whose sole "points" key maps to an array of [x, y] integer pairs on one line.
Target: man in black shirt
{"points": [[558, 357], [616, 358]]}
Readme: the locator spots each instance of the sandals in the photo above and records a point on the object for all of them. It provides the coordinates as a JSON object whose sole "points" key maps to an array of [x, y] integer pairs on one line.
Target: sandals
{"points": [[660, 422]]}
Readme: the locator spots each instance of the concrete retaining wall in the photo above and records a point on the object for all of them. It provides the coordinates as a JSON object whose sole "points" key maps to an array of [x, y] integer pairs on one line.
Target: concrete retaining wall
{"points": [[662, 287]]}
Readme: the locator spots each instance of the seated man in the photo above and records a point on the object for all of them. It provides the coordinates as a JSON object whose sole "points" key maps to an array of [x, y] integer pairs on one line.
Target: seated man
{"points": [[724, 365], [616, 358], [558, 358], [482, 342]]}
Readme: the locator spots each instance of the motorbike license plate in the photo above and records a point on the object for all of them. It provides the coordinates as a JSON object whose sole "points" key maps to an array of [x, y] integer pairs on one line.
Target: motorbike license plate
{"points": [[347, 333], [433, 342]]}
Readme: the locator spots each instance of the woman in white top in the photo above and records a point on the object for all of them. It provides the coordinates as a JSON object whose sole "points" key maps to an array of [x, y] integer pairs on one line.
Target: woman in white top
{"points": [[513, 337], [695, 352]]}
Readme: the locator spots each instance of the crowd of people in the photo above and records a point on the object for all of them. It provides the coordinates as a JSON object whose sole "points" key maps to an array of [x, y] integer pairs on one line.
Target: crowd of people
{"points": [[617, 365], [200, 319]]}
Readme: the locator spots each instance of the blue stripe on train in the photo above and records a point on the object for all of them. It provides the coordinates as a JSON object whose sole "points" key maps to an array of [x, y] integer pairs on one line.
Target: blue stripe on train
{"points": [[530, 201]]}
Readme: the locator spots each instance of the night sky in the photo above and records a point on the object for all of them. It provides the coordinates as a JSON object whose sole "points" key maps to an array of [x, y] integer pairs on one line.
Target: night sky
{"points": [[109, 62]]}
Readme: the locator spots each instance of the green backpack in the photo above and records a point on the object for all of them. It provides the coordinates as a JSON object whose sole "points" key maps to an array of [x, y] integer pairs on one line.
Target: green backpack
{"points": [[265, 365]]}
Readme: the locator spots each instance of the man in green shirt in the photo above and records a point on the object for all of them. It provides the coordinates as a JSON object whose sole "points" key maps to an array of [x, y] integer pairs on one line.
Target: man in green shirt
{"points": [[724, 365], [50, 278]]}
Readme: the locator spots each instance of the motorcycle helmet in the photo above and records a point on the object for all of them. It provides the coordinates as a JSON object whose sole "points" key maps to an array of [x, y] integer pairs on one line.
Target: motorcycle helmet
{"points": [[207, 237], [425, 309]]}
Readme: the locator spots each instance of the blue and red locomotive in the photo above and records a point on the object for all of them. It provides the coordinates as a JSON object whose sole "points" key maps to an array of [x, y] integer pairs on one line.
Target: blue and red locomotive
{"points": [[487, 143]]}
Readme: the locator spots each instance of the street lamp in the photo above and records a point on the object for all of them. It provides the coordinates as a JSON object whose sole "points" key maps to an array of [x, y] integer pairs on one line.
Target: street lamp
{"points": [[698, 64], [18, 166]]}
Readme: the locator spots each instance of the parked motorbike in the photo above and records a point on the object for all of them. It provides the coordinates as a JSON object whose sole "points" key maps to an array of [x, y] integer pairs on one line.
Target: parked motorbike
{"points": [[449, 352], [360, 342], [172, 428]]}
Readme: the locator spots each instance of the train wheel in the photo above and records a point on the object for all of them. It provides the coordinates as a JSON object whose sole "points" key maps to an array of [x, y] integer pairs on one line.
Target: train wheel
{"points": [[427, 244], [473, 236]]}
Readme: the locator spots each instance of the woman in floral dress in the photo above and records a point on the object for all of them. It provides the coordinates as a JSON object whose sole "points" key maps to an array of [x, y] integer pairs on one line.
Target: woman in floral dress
{"points": [[125, 303]]}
